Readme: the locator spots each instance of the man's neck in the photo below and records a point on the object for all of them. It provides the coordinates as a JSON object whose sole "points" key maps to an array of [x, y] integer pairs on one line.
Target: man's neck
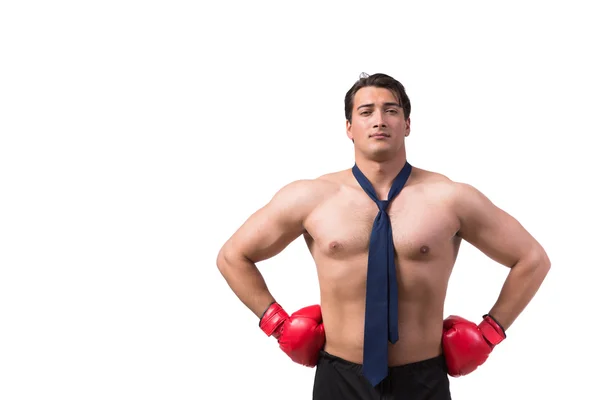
{"points": [[381, 174]]}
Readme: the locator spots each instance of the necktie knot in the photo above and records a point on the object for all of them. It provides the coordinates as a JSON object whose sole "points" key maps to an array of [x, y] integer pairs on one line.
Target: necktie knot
{"points": [[383, 205]]}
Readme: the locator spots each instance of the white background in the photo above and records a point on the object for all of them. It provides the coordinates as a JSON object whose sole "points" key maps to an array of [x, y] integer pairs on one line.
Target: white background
{"points": [[137, 136]]}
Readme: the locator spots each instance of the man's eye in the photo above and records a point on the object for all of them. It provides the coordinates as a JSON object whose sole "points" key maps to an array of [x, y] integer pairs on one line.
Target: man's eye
{"points": [[365, 113], [392, 111]]}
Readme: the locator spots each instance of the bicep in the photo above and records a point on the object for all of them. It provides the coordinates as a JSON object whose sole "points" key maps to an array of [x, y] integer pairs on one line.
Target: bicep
{"points": [[490, 229], [270, 229]]}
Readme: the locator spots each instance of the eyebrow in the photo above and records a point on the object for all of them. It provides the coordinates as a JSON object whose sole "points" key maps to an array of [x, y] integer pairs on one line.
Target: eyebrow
{"points": [[384, 104]]}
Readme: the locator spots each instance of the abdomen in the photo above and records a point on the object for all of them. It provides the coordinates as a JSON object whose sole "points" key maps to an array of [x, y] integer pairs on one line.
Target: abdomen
{"points": [[343, 291]]}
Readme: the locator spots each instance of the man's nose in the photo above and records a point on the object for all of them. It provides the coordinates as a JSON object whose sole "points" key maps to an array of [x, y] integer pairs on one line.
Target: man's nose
{"points": [[378, 120]]}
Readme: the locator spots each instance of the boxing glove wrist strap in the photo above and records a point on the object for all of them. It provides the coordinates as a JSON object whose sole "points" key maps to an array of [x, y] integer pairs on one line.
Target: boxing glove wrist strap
{"points": [[492, 331], [273, 317]]}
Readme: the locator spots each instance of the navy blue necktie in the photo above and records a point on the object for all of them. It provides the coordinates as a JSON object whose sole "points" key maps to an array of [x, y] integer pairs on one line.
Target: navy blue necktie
{"points": [[381, 316]]}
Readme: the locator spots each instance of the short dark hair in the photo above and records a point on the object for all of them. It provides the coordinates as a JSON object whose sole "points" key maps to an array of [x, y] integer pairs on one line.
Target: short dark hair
{"points": [[381, 81]]}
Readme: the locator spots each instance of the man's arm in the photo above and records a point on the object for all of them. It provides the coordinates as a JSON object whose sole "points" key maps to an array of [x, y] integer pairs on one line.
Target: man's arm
{"points": [[502, 238], [263, 235]]}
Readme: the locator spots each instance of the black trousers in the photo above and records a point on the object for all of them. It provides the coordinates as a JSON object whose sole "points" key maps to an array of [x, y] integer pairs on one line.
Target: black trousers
{"points": [[336, 378]]}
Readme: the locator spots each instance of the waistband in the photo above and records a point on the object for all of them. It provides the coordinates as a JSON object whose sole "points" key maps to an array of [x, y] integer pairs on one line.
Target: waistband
{"points": [[438, 361]]}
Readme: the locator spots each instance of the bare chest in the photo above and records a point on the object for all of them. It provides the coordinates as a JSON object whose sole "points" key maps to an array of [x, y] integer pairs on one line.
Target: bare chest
{"points": [[422, 229]]}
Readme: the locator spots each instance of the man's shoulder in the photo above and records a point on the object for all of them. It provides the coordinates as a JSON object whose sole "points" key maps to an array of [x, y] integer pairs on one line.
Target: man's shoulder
{"points": [[335, 178], [440, 185], [307, 189], [327, 181], [431, 180]]}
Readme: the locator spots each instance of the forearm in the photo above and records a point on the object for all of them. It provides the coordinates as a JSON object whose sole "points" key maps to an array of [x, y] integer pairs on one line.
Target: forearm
{"points": [[246, 282], [521, 285]]}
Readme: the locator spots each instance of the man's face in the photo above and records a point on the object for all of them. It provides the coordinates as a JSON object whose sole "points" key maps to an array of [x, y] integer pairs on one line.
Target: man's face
{"points": [[378, 126]]}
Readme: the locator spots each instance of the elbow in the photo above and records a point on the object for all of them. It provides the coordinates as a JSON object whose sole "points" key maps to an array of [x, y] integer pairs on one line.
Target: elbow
{"points": [[229, 259], [541, 262], [223, 259], [546, 264]]}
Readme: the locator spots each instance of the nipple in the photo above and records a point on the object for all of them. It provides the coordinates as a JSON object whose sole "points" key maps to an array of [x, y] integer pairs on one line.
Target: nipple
{"points": [[424, 249]]}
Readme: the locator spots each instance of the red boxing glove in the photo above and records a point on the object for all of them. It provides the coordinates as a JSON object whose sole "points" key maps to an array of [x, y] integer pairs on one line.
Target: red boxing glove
{"points": [[466, 345], [301, 336]]}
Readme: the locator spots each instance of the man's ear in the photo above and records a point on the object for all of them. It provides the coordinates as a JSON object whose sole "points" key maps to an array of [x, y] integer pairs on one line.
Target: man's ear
{"points": [[349, 130], [407, 122]]}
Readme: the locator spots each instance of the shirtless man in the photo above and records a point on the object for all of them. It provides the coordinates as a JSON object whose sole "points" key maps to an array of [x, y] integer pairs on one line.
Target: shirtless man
{"points": [[429, 218]]}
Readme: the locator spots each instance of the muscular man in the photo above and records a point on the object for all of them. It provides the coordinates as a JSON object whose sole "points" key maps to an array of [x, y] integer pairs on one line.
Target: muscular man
{"points": [[423, 224]]}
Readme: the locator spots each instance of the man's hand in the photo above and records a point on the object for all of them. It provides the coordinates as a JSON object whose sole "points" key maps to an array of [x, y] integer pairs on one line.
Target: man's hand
{"points": [[466, 345], [301, 336]]}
